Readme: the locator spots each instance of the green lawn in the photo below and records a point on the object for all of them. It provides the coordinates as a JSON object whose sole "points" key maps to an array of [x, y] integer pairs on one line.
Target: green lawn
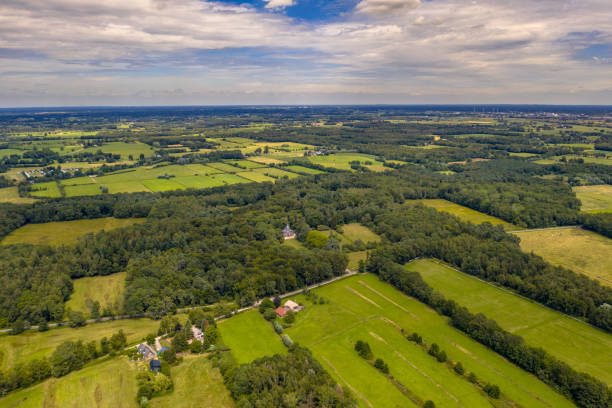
{"points": [[580, 250], [341, 161], [64, 232], [364, 308], [162, 184], [109, 384], [304, 170], [249, 337], [595, 198], [581, 346], [196, 384], [108, 290], [465, 213]]}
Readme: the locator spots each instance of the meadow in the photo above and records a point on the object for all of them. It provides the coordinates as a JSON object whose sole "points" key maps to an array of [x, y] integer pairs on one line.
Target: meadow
{"points": [[47, 189], [107, 290], [304, 170], [64, 232], [341, 161], [595, 198], [582, 346], [11, 195], [249, 336], [124, 149], [464, 213], [580, 250], [106, 384], [196, 384], [355, 231], [362, 307]]}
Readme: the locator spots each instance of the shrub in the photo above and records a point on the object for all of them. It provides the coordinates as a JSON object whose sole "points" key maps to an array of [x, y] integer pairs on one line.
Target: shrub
{"points": [[196, 347], [381, 365], [77, 319], [472, 378], [429, 404], [287, 340], [289, 317], [441, 356], [434, 350], [277, 327], [169, 356], [265, 305], [269, 314], [492, 390], [459, 368], [363, 349]]}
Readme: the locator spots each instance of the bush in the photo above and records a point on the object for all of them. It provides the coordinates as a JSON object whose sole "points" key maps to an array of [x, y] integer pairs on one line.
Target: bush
{"points": [[459, 368], [472, 378], [77, 319], [277, 301], [287, 340], [265, 305], [363, 349], [434, 350], [429, 404], [169, 356], [277, 327], [441, 356], [196, 347], [492, 390], [289, 317], [381, 365], [269, 314], [416, 338]]}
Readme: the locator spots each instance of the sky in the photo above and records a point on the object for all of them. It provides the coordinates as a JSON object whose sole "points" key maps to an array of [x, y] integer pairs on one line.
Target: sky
{"points": [[276, 52]]}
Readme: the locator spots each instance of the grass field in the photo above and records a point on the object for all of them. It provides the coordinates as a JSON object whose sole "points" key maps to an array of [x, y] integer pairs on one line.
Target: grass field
{"points": [[595, 198], [108, 290], [34, 344], [341, 161], [109, 384], [82, 190], [224, 167], [465, 213], [124, 149], [266, 160], [355, 231], [249, 337], [364, 308], [354, 258], [46, 190], [304, 170], [574, 248], [578, 344], [64, 232], [247, 164], [274, 172], [255, 176], [11, 195], [196, 384]]}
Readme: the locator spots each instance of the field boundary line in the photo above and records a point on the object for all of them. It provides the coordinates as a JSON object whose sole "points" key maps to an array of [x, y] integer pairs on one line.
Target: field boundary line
{"points": [[360, 395], [388, 300], [367, 299], [359, 323]]}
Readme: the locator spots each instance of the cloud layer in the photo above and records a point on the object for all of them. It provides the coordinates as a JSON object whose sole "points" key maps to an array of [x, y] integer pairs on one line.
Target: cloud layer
{"points": [[65, 52]]}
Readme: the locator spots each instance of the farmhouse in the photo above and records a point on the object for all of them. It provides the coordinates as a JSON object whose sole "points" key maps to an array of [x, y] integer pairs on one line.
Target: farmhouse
{"points": [[146, 351], [280, 311], [288, 233], [155, 365], [291, 305]]}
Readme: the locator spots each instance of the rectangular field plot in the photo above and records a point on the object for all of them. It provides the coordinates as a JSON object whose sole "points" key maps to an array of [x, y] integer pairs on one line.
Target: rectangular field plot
{"points": [[202, 170], [108, 290], [199, 181], [11, 195], [304, 170], [249, 337], [255, 176], [224, 167], [364, 308], [466, 214], [580, 250], [162, 185], [246, 164], [82, 190], [266, 160], [582, 346], [77, 181], [46, 190], [275, 173], [230, 178], [595, 198], [342, 161], [124, 149]]}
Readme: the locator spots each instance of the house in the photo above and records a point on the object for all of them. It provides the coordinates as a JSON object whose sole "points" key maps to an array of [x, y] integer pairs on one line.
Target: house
{"points": [[291, 305], [155, 365], [197, 335], [280, 311], [288, 233], [146, 351]]}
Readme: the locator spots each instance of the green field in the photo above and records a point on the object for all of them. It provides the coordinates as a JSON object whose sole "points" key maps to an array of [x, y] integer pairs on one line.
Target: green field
{"points": [[196, 384], [341, 161], [10, 152], [108, 290], [109, 384], [124, 149], [199, 181], [354, 258], [256, 177], [580, 250], [11, 195], [224, 167], [595, 198], [364, 308], [581, 346], [64, 232], [249, 337], [466, 214], [304, 170], [275, 172], [82, 190], [355, 231], [48, 189], [247, 164], [34, 344]]}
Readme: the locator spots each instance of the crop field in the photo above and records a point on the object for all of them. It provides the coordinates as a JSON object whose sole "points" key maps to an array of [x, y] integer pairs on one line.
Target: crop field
{"points": [[304, 170], [247, 164], [595, 198], [275, 172], [466, 214], [581, 346], [249, 337], [266, 160], [109, 384], [108, 290], [124, 149], [33, 344], [64, 232], [580, 250], [196, 384], [364, 308], [224, 167], [198, 181], [11, 195], [342, 161]]}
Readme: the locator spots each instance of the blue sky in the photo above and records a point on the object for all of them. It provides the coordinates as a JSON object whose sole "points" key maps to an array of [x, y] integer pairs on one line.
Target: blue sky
{"points": [[185, 52]]}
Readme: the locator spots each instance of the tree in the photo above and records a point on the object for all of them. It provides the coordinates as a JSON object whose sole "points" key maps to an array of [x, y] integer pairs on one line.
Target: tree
{"points": [[492, 390], [65, 358], [18, 327], [434, 350], [441, 356], [179, 341], [118, 340], [286, 340], [381, 365], [77, 319], [289, 317], [472, 378], [316, 239], [277, 301], [265, 305], [104, 346], [188, 331], [169, 355], [161, 383], [363, 349], [459, 368], [95, 310], [196, 347], [269, 315], [210, 336], [151, 339], [429, 404], [43, 326], [277, 327]]}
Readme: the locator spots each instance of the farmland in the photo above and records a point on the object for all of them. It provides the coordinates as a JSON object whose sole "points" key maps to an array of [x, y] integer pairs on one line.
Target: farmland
{"points": [[11, 195], [262, 341], [124, 149], [107, 290], [64, 232], [595, 198], [108, 384], [580, 250], [465, 213], [355, 231], [341, 161], [364, 308], [578, 344]]}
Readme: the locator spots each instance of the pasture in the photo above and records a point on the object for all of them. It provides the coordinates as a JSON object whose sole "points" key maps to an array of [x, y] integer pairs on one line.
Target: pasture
{"points": [[108, 384], [595, 198], [124, 149], [108, 290], [464, 213], [196, 384], [11, 195], [304, 170], [364, 308], [255, 176], [275, 172], [582, 346], [355, 231], [249, 336], [342, 161], [64, 232], [580, 250], [48, 189]]}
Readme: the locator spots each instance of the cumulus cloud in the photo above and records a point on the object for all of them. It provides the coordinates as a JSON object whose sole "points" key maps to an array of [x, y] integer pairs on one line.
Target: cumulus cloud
{"points": [[386, 7], [278, 4]]}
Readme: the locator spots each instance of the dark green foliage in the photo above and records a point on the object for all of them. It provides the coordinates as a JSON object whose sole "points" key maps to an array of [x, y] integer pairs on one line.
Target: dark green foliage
{"points": [[416, 338], [169, 355], [441, 356], [196, 347], [289, 317], [434, 350], [277, 327], [363, 349], [277, 301], [76, 319], [118, 340], [472, 378], [286, 340], [429, 404], [179, 341], [266, 304], [381, 365], [492, 390], [211, 335], [269, 314], [459, 368]]}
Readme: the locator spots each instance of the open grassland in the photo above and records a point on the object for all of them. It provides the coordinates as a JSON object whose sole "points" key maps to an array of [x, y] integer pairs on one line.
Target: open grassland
{"points": [[465, 213], [266, 160], [199, 181], [342, 161], [364, 308], [246, 164], [583, 347], [595, 198], [108, 290], [33, 344], [48, 189], [109, 384], [355, 231], [124, 149], [224, 167], [196, 384], [64, 232], [275, 172], [304, 170], [10, 152], [580, 250], [82, 190], [249, 337], [354, 258], [255, 176], [11, 195]]}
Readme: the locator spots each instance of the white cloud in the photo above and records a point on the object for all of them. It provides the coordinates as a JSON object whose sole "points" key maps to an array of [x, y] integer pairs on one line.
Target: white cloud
{"points": [[278, 4], [381, 8]]}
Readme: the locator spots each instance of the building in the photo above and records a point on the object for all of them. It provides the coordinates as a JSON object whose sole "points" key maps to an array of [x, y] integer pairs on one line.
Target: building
{"points": [[288, 233], [280, 311], [155, 365], [291, 305], [146, 351]]}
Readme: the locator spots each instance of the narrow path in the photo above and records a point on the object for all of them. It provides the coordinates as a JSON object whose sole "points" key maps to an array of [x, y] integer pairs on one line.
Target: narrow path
{"points": [[389, 300], [367, 299]]}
